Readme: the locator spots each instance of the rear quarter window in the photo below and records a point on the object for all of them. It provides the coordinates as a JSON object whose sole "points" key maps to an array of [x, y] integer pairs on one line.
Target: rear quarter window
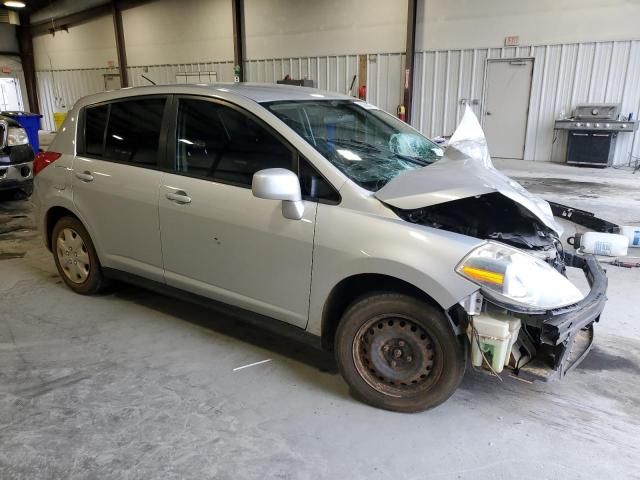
{"points": [[95, 123]]}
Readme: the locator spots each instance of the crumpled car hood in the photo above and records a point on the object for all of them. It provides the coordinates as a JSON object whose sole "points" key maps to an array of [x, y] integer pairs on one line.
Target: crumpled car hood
{"points": [[464, 171]]}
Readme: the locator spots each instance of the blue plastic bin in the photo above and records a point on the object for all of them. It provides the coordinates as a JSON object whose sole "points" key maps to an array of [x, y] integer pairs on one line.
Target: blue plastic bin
{"points": [[31, 123]]}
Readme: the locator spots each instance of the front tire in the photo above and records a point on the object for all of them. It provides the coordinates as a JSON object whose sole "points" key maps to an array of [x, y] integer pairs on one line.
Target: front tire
{"points": [[75, 257], [399, 353]]}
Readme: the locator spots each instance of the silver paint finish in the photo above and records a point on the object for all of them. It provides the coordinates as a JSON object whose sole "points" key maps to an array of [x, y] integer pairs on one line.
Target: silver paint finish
{"points": [[231, 246], [222, 242], [280, 184], [120, 204]]}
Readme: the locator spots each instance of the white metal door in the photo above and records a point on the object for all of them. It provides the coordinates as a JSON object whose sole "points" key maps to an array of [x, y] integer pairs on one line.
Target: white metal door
{"points": [[506, 106], [10, 97]]}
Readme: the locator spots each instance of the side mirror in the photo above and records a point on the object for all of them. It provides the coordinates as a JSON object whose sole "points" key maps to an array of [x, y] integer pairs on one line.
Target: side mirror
{"points": [[280, 184]]}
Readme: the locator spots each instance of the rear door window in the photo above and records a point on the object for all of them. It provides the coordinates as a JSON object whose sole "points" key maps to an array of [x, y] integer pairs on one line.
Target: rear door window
{"points": [[133, 131]]}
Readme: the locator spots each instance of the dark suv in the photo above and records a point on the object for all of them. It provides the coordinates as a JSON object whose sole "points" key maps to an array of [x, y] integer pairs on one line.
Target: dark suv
{"points": [[16, 157]]}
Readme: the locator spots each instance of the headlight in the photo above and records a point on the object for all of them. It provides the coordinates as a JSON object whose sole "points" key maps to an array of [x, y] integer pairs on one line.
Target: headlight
{"points": [[17, 136], [517, 278]]}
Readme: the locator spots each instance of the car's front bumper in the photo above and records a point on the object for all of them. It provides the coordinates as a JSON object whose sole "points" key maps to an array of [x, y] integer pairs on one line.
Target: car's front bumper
{"points": [[566, 334], [15, 175]]}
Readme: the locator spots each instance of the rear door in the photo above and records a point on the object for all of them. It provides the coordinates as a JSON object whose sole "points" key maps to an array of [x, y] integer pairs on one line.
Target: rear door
{"points": [[218, 240], [116, 177]]}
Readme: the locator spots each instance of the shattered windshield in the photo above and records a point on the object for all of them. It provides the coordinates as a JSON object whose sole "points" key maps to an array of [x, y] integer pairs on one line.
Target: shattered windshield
{"points": [[369, 146]]}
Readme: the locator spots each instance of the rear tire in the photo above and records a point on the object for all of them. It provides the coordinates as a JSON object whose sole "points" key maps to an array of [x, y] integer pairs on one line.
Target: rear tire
{"points": [[76, 258], [399, 353]]}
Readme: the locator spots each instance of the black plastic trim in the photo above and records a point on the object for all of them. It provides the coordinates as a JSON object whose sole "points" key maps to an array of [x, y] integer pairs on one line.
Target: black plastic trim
{"points": [[559, 324], [264, 322]]}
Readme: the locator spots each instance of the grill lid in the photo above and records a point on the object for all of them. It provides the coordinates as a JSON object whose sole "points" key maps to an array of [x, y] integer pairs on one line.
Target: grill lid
{"points": [[599, 111]]}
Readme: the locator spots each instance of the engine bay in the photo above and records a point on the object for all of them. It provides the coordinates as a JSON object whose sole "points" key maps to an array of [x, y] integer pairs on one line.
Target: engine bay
{"points": [[492, 216]]}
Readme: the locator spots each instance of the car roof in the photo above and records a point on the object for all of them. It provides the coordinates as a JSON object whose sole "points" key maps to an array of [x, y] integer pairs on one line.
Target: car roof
{"points": [[258, 92]]}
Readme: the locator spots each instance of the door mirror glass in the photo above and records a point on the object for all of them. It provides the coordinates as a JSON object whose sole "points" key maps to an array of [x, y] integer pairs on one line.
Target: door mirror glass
{"points": [[280, 184]]}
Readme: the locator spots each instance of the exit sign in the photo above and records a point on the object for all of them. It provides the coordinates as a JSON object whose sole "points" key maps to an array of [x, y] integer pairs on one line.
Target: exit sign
{"points": [[512, 41]]}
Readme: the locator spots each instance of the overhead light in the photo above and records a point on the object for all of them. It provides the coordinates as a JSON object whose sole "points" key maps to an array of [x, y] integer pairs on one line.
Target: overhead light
{"points": [[14, 4]]}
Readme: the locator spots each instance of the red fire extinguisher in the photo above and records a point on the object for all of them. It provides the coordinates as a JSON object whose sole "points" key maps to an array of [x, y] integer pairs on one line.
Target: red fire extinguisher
{"points": [[362, 92], [401, 112]]}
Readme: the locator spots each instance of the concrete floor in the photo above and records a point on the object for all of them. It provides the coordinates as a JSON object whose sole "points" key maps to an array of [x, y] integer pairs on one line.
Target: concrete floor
{"points": [[135, 385]]}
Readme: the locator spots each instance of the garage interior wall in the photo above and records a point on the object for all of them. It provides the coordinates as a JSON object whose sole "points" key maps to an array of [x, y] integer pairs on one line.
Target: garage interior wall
{"points": [[322, 41], [563, 76], [278, 32], [584, 52]]}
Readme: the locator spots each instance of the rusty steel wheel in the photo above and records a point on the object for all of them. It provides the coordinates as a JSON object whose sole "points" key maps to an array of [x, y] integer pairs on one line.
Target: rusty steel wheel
{"points": [[396, 356], [399, 352]]}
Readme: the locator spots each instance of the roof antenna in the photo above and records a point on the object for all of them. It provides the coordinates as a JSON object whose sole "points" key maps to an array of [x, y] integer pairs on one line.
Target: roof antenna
{"points": [[148, 79]]}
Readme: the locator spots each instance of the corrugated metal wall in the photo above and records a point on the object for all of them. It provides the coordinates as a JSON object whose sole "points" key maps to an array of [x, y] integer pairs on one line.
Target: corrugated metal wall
{"points": [[59, 89], [335, 73], [563, 76]]}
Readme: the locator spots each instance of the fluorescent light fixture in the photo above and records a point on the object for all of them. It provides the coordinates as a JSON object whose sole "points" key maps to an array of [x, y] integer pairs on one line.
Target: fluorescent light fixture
{"points": [[14, 4], [348, 155], [117, 137], [185, 141]]}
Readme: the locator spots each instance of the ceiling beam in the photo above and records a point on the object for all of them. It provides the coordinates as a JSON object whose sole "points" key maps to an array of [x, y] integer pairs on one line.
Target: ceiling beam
{"points": [[64, 22]]}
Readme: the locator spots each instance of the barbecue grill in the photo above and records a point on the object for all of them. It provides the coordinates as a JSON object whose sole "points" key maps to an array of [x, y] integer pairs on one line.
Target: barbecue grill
{"points": [[592, 133]]}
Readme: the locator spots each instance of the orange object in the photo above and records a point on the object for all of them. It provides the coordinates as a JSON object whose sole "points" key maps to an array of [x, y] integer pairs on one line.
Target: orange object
{"points": [[362, 92]]}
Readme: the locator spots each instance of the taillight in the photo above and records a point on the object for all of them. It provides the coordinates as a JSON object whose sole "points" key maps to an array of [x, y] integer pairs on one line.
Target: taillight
{"points": [[43, 159]]}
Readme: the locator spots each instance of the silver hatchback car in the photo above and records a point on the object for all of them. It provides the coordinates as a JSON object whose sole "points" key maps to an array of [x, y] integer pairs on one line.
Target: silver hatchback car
{"points": [[320, 216]]}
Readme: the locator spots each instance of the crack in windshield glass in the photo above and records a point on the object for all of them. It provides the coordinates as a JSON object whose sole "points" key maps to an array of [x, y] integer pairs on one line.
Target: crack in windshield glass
{"points": [[369, 146]]}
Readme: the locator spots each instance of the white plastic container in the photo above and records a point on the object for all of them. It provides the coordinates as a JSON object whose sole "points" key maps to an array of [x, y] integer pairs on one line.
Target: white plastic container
{"points": [[497, 334], [607, 244], [633, 235]]}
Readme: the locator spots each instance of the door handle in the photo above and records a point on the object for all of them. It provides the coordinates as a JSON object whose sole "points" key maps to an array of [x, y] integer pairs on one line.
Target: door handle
{"points": [[85, 176], [179, 197]]}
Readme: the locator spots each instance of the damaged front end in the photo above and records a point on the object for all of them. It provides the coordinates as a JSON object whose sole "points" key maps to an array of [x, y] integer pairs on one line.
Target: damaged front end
{"points": [[526, 315], [492, 216], [535, 344]]}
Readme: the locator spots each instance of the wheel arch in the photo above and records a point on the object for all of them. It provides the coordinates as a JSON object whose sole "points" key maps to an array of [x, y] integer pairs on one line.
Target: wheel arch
{"points": [[349, 289], [51, 218]]}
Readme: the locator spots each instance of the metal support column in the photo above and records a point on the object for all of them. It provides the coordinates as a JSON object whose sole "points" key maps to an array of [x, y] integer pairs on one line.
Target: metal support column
{"points": [[410, 54], [25, 44], [237, 7], [122, 53]]}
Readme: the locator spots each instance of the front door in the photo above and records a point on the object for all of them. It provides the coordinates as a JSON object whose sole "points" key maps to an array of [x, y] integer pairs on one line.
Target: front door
{"points": [[116, 181], [506, 107], [218, 240]]}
